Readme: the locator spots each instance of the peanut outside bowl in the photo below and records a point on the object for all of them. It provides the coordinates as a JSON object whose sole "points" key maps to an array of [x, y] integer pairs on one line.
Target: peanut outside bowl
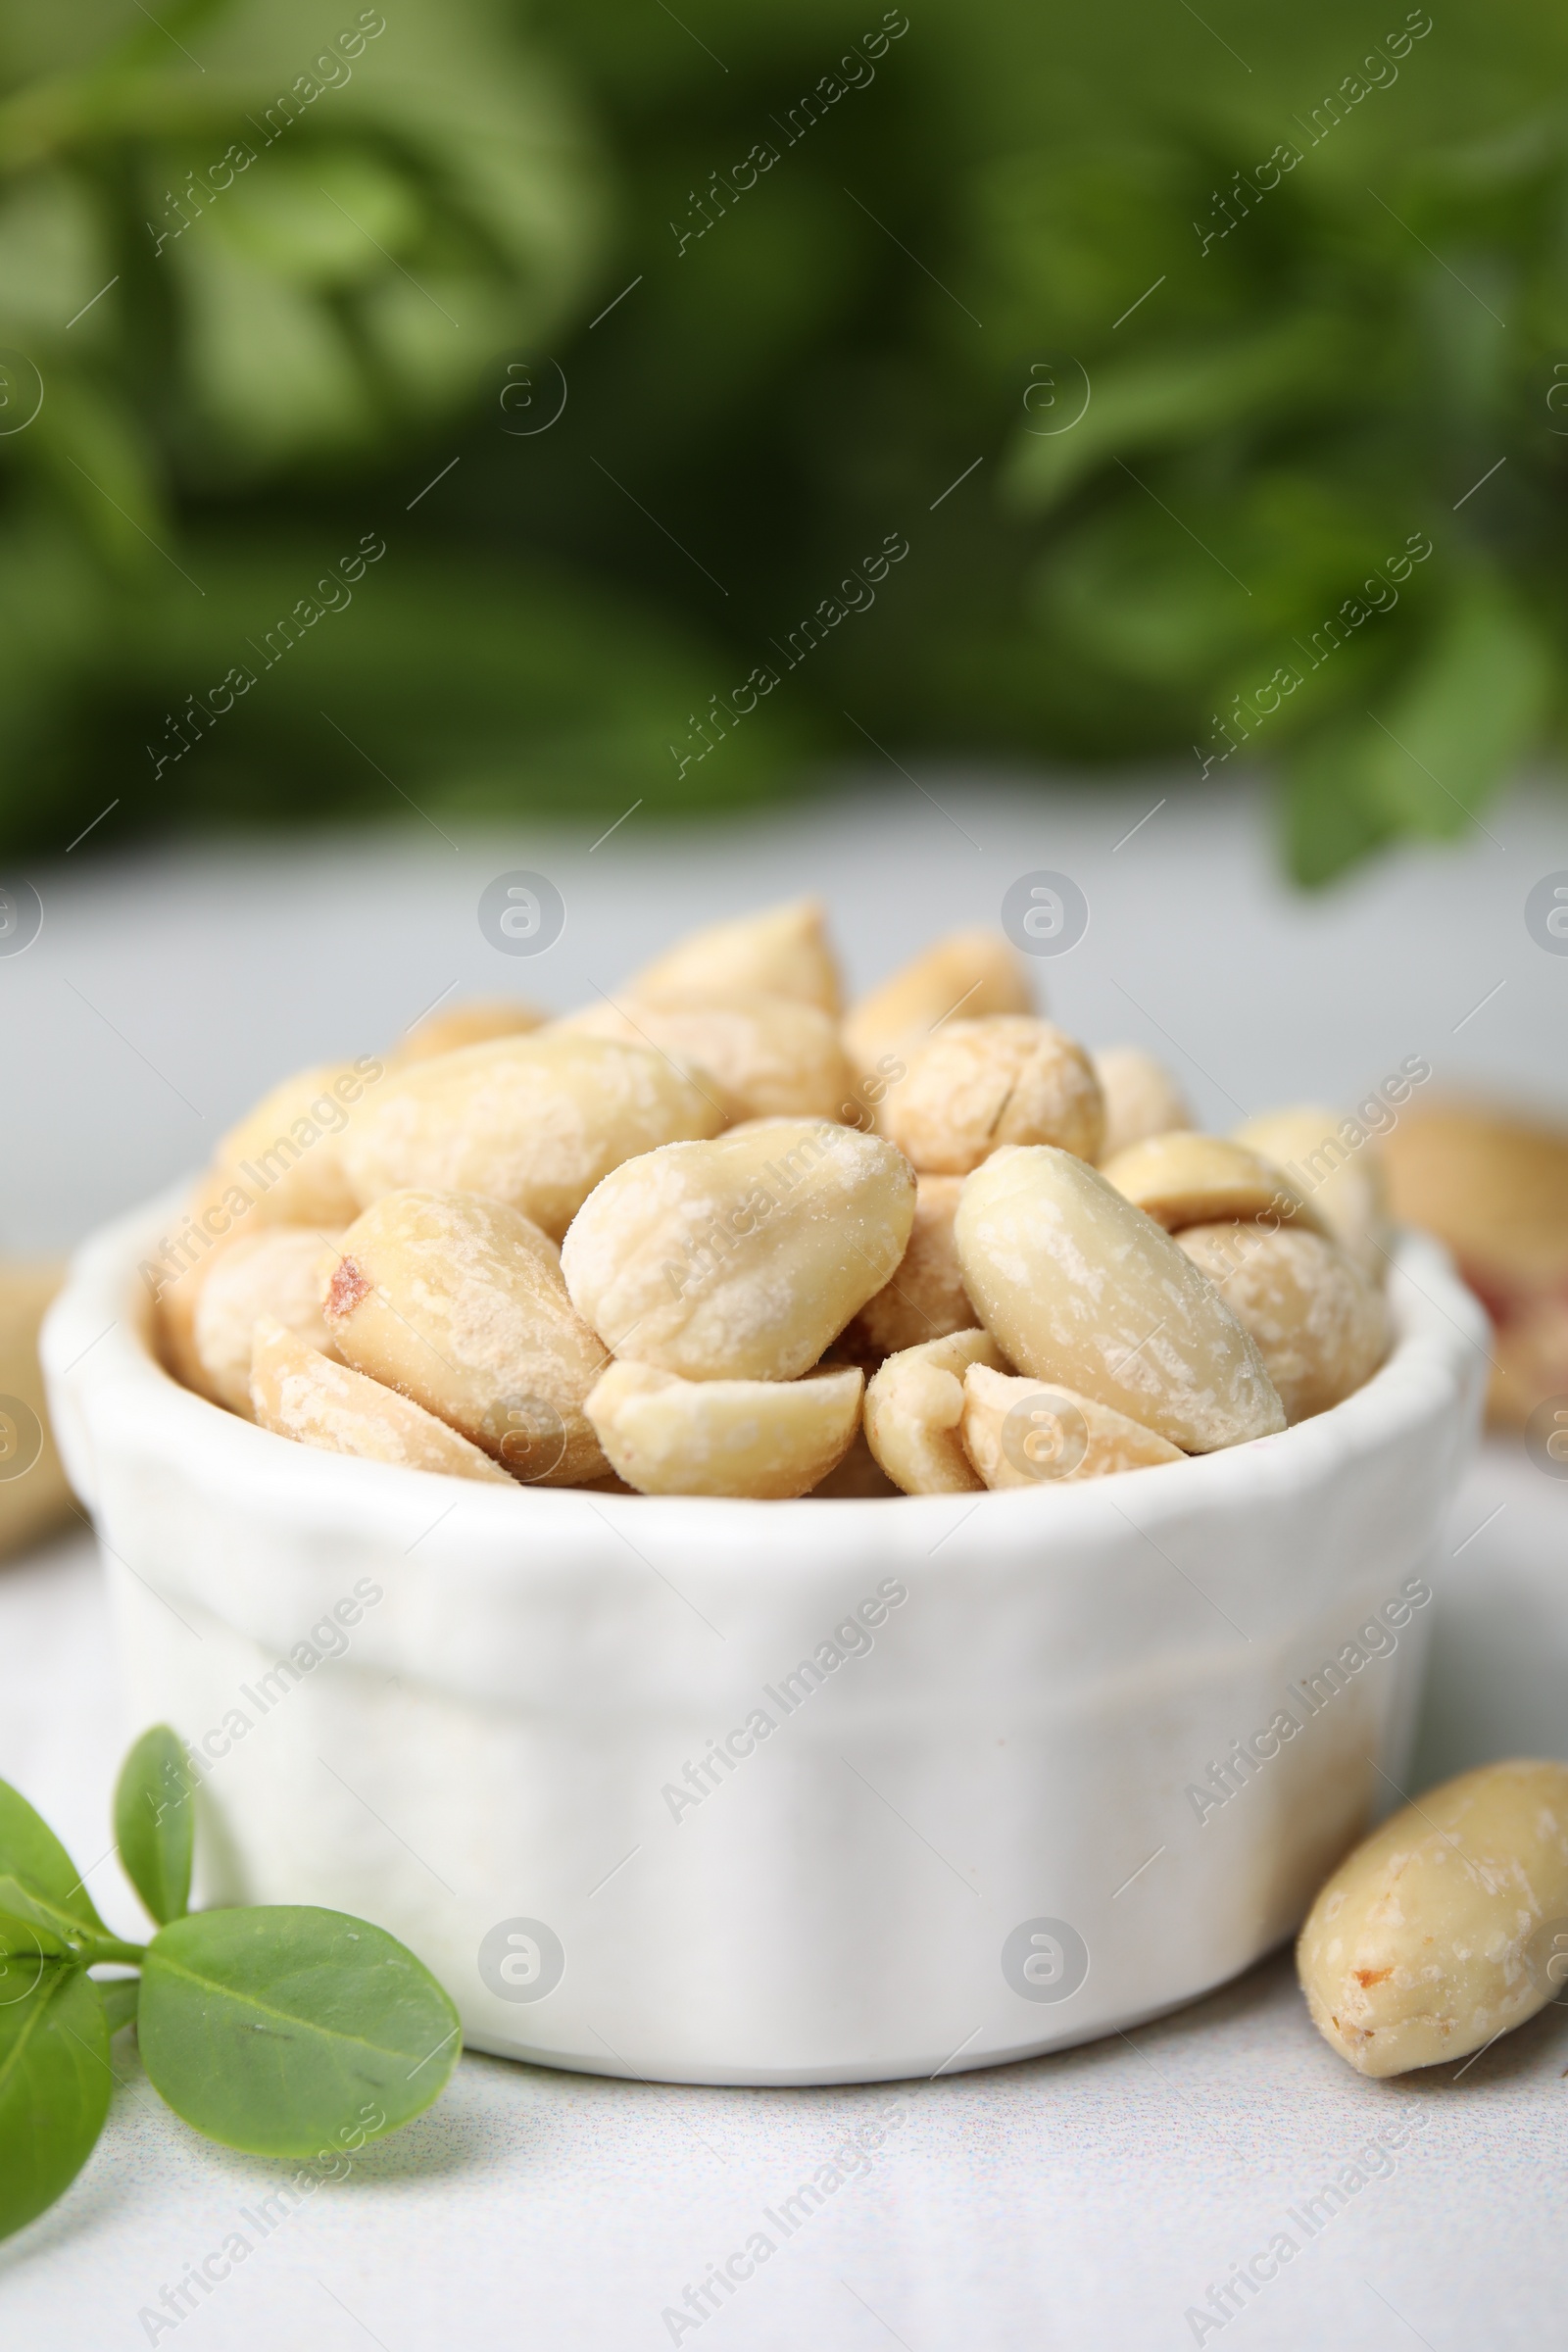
{"points": [[980, 1822]]}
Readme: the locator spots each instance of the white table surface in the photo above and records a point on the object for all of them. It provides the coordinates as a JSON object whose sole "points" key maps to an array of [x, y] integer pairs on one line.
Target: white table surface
{"points": [[1093, 2197]]}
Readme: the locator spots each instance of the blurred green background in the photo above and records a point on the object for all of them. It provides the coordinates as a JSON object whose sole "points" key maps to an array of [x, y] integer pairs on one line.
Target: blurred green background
{"points": [[1219, 318]]}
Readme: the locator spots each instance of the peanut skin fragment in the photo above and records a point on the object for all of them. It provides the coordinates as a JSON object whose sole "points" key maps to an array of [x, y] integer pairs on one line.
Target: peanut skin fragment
{"points": [[1028, 1432], [915, 1410], [1078, 1287], [767, 1438], [271, 1273], [1448, 1926], [298, 1392]]}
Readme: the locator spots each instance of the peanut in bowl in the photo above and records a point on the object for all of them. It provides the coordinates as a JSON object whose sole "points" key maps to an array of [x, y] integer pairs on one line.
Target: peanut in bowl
{"points": [[834, 1785]]}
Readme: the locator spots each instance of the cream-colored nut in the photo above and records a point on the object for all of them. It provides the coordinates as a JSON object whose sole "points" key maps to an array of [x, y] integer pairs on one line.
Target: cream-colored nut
{"points": [[1321, 1327], [962, 976], [32, 1498], [474, 1024], [1080, 1287], [773, 1057], [458, 1302], [1185, 1179], [283, 1164], [1342, 1179], [533, 1121], [1022, 1433], [271, 1273], [925, 1299], [313, 1399], [1007, 1078], [740, 1260], [781, 951], [1141, 1098], [914, 1411], [765, 1438], [1449, 1927]]}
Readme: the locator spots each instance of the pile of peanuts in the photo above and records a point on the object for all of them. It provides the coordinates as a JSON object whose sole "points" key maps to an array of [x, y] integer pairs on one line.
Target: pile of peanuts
{"points": [[719, 1237]]}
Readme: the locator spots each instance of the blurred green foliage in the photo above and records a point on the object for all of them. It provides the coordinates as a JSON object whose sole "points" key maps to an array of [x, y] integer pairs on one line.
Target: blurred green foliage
{"points": [[1225, 315]]}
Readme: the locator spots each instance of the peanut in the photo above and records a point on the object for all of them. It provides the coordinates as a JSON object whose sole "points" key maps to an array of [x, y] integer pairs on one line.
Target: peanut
{"points": [[781, 951], [772, 1056], [1185, 1179], [472, 1023], [271, 1273], [1448, 1926], [1321, 1327], [968, 974], [1344, 1183], [1141, 1098], [915, 1410], [298, 1392], [740, 1260], [1006, 1078], [1080, 1287], [33, 1495], [763, 1438], [1019, 1434], [458, 1302], [925, 1299], [284, 1159], [533, 1121]]}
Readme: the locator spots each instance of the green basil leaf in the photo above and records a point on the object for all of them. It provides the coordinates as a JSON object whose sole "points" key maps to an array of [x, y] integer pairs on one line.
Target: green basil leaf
{"points": [[54, 2087], [30, 1850], [120, 1996], [154, 1822], [287, 2031]]}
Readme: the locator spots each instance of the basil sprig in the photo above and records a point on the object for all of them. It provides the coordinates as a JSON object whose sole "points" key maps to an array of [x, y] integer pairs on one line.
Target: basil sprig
{"points": [[280, 2030]]}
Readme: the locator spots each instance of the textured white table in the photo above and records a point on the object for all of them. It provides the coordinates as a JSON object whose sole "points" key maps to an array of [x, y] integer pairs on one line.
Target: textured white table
{"points": [[1095, 2197]]}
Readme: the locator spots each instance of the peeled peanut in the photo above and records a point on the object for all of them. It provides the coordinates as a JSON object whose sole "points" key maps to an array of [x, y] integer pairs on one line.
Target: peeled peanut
{"points": [[35, 1497], [1184, 1179], [283, 1165], [271, 1273], [1019, 1433], [458, 1302], [533, 1121], [1007, 1078], [1141, 1098], [925, 1298], [782, 951], [915, 1410], [472, 1024], [1344, 1179], [1321, 1327], [298, 1392], [772, 1056], [765, 1438], [962, 976], [1450, 1924], [740, 1260], [1081, 1289]]}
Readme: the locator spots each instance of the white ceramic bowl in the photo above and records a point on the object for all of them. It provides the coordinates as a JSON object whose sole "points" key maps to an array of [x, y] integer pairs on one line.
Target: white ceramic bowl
{"points": [[976, 1828]]}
